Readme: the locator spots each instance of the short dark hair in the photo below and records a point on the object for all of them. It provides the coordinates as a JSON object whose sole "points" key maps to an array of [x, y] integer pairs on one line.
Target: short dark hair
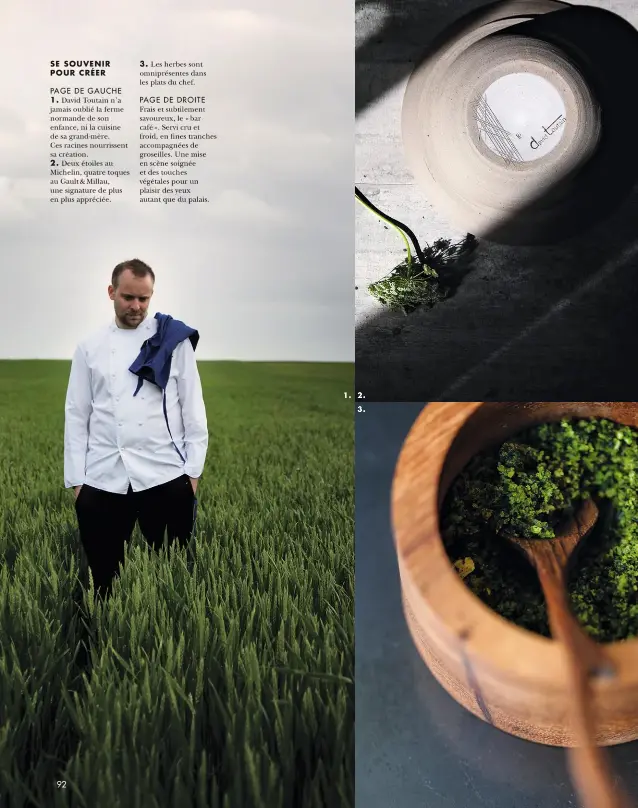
{"points": [[137, 267]]}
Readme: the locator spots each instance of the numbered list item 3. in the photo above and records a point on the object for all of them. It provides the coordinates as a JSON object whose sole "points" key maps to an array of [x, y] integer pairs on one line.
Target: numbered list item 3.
{"points": [[173, 133]]}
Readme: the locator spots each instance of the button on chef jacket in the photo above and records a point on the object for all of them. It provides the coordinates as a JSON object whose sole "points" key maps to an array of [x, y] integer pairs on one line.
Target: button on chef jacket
{"points": [[112, 438]]}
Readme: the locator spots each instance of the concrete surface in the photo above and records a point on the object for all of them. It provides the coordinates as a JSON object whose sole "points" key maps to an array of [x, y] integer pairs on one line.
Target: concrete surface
{"points": [[526, 322], [415, 746]]}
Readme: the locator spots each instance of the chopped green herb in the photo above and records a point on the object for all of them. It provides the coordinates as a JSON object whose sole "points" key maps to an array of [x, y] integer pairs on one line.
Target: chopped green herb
{"points": [[527, 487], [422, 283], [408, 286], [464, 566]]}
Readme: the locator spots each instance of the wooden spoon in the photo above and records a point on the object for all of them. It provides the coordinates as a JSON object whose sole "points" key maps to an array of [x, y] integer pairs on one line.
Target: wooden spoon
{"points": [[589, 764]]}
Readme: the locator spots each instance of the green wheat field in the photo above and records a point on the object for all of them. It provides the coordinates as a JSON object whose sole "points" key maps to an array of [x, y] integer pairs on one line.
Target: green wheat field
{"points": [[226, 682]]}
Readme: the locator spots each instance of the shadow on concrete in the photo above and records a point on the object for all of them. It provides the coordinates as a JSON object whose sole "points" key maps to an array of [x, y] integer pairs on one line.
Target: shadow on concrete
{"points": [[409, 28], [545, 322]]}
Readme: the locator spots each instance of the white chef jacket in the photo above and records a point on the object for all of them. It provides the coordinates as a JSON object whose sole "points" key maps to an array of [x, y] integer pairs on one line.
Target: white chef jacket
{"points": [[112, 438]]}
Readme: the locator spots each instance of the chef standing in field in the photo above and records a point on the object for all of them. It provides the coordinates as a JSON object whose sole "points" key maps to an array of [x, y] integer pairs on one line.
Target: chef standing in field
{"points": [[135, 433]]}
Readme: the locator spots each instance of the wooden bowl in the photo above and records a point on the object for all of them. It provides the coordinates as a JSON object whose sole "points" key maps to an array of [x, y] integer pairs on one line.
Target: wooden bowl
{"points": [[506, 675]]}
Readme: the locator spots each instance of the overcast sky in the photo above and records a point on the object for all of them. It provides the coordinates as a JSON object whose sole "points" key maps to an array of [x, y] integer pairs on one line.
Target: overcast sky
{"points": [[265, 271]]}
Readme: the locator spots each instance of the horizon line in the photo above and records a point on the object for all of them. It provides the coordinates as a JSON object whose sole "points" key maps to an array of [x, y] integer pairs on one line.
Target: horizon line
{"points": [[253, 361]]}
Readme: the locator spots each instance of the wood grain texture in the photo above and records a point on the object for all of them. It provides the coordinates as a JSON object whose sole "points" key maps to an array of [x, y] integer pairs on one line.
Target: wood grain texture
{"points": [[514, 679], [585, 659]]}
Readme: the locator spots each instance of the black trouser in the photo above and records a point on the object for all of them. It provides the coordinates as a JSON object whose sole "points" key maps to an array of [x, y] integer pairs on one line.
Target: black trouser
{"points": [[106, 522]]}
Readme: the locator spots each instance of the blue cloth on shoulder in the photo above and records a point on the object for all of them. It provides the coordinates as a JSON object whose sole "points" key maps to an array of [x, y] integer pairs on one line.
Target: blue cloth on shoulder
{"points": [[153, 363]]}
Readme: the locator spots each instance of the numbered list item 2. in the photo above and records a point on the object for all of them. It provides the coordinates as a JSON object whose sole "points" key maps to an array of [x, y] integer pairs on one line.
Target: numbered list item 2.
{"points": [[86, 145]]}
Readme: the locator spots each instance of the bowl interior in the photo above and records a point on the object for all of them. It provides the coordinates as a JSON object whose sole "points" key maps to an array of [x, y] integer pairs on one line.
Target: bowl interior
{"points": [[492, 424]]}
